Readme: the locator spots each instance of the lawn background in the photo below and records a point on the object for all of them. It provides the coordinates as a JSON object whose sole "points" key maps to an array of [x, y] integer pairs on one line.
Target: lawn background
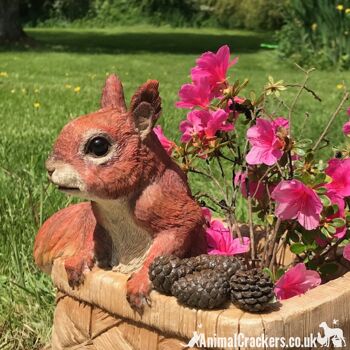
{"points": [[60, 76]]}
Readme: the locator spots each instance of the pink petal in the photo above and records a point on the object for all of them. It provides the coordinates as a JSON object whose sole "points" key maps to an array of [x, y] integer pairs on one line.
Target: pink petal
{"points": [[217, 122], [296, 281], [263, 155], [281, 122], [287, 191], [237, 247], [165, 142], [295, 200], [340, 232], [346, 252], [207, 214], [338, 170], [346, 128], [220, 240], [287, 210], [267, 147], [195, 95]]}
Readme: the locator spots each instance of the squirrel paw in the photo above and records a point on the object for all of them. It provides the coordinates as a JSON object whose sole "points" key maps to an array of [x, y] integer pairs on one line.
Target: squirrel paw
{"points": [[138, 288], [75, 267]]}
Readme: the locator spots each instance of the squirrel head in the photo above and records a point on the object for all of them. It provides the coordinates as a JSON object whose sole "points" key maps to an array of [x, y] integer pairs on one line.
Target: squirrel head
{"points": [[112, 152]]}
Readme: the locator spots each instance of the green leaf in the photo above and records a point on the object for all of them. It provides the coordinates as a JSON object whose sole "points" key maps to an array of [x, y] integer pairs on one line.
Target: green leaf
{"points": [[335, 208], [299, 151], [270, 219], [312, 246], [325, 232], [331, 229], [321, 190], [279, 273], [338, 222], [304, 143], [325, 200], [320, 178], [269, 272], [329, 269], [298, 248]]}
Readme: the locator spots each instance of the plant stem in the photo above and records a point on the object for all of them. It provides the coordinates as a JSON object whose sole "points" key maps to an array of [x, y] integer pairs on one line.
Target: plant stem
{"points": [[296, 98], [313, 93], [331, 119], [239, 233], [290, 161], [272, 242], [251, 229], [274, 255]]}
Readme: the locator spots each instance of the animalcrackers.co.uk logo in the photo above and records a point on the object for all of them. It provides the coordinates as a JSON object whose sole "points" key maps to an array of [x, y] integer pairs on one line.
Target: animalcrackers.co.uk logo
{"points": [[332, 336]]}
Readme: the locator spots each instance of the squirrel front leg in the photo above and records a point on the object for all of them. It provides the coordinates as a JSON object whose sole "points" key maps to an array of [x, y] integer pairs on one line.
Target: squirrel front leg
{"points": [[177, 222], [139, 285]]}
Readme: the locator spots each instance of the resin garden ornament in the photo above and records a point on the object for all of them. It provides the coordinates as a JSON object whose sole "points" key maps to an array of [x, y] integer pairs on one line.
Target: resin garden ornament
{"points": [[140, 204], [142, 220]]}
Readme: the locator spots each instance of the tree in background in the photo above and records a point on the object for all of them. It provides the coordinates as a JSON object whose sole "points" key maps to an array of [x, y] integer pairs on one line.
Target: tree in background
{"points": [[10, 25]]}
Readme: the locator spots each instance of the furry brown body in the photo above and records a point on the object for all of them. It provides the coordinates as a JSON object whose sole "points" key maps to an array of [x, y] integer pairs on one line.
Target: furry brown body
{"points": [[140, 204]]}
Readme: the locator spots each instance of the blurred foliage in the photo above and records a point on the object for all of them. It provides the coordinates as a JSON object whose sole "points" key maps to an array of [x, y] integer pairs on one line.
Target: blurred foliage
{"points": [[249, 14], [316, 33]]}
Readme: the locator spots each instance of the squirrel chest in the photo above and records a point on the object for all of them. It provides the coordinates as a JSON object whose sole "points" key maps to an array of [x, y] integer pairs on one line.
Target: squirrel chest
{"points": [[131, 242]]}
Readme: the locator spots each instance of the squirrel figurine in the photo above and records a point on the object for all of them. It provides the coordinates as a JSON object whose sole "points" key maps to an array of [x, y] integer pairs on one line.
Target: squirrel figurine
{"points": [[140, 206]]}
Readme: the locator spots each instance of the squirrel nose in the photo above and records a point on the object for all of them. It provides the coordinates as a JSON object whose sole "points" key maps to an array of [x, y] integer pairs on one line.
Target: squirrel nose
{"points": [[50, 167]]}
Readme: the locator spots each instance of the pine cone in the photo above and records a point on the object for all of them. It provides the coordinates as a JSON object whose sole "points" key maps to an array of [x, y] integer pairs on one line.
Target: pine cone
{"points": [[227, 265], [165, 270], [251, 290], [206, 289]]}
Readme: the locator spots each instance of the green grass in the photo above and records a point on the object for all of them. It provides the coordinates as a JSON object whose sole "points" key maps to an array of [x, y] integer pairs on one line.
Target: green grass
{"points": [[47, 73]]}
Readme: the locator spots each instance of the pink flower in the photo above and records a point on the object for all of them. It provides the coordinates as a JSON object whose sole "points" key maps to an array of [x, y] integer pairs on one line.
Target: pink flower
{"points": [[267, 147], [207, 215], [297, 201], [346, 128], [339, 170], [166, 143], [256, 190], [280, 122], [195, 95], [213, 66], [204, 124], [296, 281], [221, 242], [346, 252]]}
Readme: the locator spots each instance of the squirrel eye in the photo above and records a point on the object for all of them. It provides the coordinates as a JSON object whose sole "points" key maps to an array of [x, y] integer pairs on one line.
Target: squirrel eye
{"points": [[98, 146]]}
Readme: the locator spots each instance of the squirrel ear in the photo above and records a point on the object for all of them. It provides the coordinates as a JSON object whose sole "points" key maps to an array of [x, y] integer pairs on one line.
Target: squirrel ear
{"points": [[113, 94], [145, 107]]}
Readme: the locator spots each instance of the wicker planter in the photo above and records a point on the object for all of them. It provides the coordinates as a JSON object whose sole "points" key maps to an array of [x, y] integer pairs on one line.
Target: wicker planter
{"points": [[96, 316]]}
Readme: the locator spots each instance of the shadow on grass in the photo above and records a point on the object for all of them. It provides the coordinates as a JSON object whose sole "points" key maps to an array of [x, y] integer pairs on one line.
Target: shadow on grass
{"points": [[132, 42]]}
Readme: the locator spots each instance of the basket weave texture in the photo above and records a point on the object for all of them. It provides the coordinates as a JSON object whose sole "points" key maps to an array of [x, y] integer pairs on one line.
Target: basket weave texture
{"points": [[96, 316]]}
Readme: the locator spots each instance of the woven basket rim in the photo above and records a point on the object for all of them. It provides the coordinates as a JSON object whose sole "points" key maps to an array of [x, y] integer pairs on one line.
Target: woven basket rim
{"points": [[106, 289]]}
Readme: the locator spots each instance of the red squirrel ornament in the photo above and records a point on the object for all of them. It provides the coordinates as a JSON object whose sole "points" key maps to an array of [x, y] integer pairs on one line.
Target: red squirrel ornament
{"points": [[140, 205]]}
